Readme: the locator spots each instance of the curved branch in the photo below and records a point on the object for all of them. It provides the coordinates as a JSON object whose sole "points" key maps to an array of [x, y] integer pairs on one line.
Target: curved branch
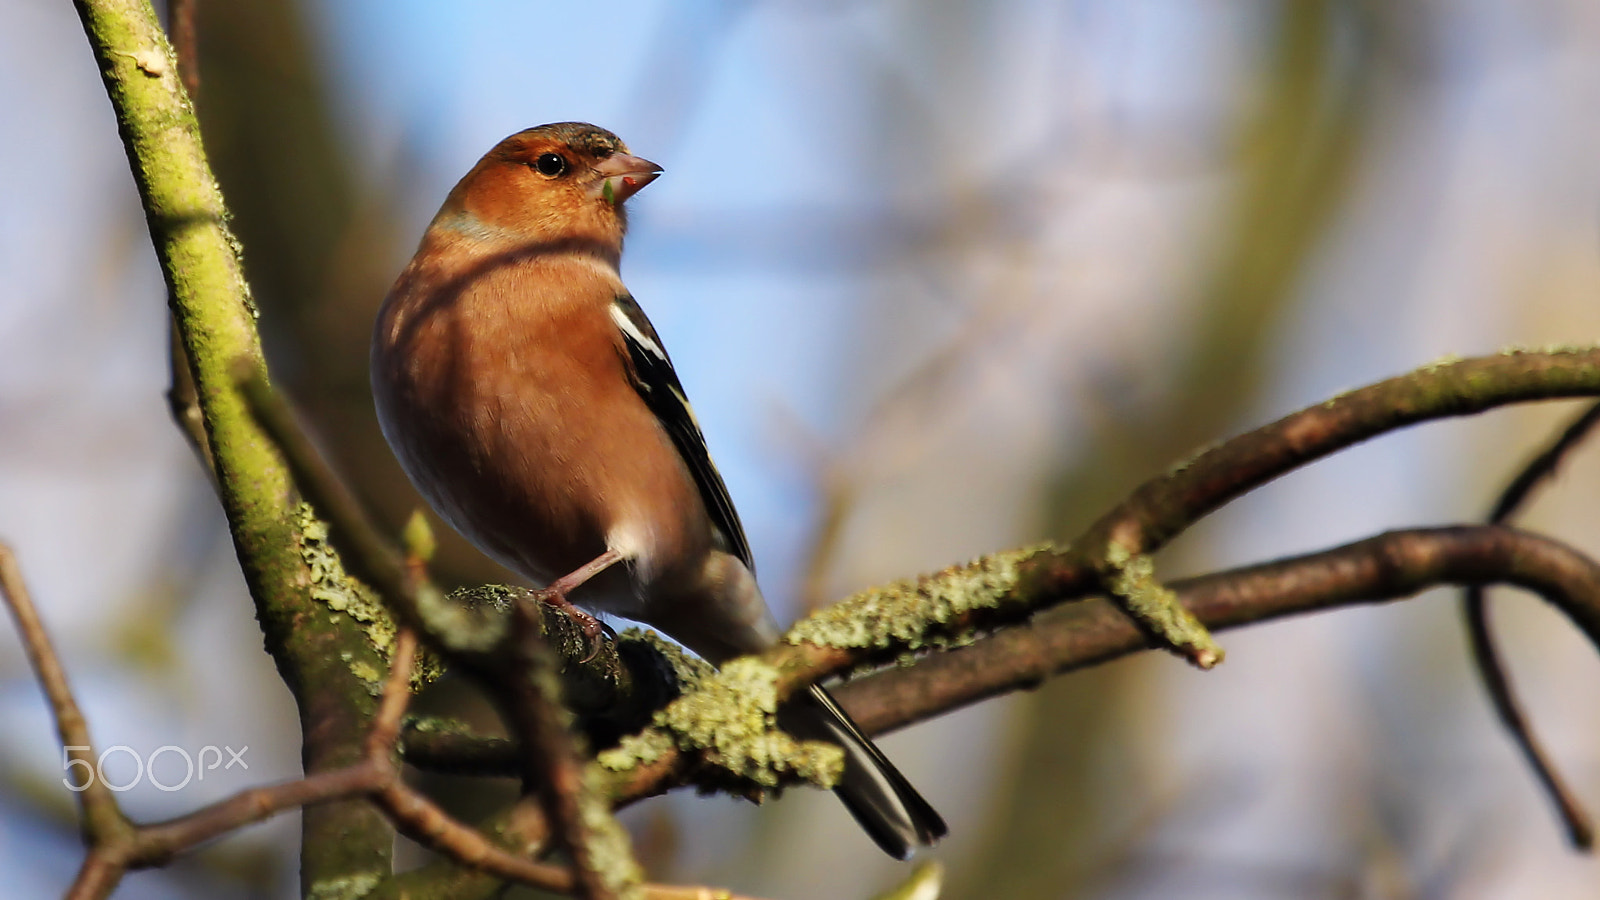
{"points": [[1496, 681], [1165, 506], [1162, 507], [1092, 631]]}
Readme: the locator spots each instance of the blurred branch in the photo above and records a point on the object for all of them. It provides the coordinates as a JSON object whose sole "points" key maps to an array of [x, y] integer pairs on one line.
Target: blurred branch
{"points": [[1579, 826], [181, 15], [102, 818], [369, 555]]}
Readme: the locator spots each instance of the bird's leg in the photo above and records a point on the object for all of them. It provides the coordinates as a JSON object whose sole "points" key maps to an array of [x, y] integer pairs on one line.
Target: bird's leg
{"points": [[555, 594]]}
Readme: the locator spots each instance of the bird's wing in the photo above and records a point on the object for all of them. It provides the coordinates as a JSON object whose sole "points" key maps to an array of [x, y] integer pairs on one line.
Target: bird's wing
{"points": [[657, 382]]}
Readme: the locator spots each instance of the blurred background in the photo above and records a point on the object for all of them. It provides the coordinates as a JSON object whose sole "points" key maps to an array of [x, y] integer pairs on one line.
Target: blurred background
{"points": [[942, 278]]}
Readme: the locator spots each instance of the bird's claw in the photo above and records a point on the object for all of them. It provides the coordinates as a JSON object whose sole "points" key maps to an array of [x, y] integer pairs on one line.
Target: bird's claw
{"points": [[588, 624]]}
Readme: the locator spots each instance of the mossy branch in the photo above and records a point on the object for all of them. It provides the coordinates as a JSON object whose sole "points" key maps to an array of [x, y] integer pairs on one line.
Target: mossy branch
{"points": [[318, 654]]}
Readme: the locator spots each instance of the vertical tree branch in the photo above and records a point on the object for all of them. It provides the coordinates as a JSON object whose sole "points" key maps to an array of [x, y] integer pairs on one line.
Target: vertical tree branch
{"points": [[320, 653], [182, 401]]}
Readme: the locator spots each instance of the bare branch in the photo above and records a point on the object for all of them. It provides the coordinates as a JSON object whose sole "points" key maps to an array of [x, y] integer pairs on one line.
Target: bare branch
{"points": [[1164, 506], [530, 694], [1496, 681], [103, 820], [157, 843], [181, 23]]}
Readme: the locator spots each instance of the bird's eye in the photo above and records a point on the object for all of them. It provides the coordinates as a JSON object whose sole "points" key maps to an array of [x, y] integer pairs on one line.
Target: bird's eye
{"points": [[551, 164]]}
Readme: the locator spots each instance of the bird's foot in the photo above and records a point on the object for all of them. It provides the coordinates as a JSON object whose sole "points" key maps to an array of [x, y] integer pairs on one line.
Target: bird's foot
{"points": [[588, 624]]}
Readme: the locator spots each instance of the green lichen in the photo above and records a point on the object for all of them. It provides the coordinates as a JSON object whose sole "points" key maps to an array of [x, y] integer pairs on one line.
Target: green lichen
{"points": [[610, 852], [334, 588], [912, 613], [441, 725], [351, 888], [1443, 362], [641, 749], [732, 718], [342, 594], [1132, 581]]}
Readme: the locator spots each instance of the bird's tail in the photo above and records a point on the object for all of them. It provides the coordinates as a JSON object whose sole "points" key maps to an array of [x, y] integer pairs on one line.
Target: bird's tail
{"points": [[888, 808]]}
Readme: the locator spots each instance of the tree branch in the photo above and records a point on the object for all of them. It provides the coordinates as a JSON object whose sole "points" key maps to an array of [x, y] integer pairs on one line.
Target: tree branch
{"points": [[1092, 631], [321, 652], [1164, 506], [101, 816], [1474, 608]]}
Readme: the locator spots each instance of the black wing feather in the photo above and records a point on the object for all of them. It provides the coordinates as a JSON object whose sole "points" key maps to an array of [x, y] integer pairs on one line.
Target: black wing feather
{"points": [[657, 382]]}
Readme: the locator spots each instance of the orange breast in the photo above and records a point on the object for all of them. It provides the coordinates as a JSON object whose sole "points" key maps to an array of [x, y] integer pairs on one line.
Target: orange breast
{"points": [[504, 392]]}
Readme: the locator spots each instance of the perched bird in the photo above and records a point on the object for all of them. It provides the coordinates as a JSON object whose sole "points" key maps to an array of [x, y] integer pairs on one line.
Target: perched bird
{"points": [[532, 403]]}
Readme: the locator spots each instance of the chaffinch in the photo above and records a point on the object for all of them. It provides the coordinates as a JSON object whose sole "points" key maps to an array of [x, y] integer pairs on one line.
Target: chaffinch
{"points": [[531, 401]]}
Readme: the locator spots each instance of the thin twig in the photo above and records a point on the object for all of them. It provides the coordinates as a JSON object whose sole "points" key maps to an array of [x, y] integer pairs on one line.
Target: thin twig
{"points": [[531, 692], [181, 24], [424, 822], [418, 816], [103, 819], [184, 404], [117, 845], [1486, 657], [1543, 466], [396, 696], [158, 842]]}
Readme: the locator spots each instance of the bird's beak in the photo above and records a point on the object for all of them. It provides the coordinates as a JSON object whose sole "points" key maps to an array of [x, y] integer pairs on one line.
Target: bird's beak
{"points": [[621, 176]]}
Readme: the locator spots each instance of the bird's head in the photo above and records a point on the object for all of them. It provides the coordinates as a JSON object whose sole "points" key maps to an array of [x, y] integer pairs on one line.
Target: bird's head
{"points": [[561, 182]]}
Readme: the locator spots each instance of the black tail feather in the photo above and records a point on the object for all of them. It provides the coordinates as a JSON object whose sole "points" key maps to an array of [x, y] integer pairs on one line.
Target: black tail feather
{"points": [[885, 804]]}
